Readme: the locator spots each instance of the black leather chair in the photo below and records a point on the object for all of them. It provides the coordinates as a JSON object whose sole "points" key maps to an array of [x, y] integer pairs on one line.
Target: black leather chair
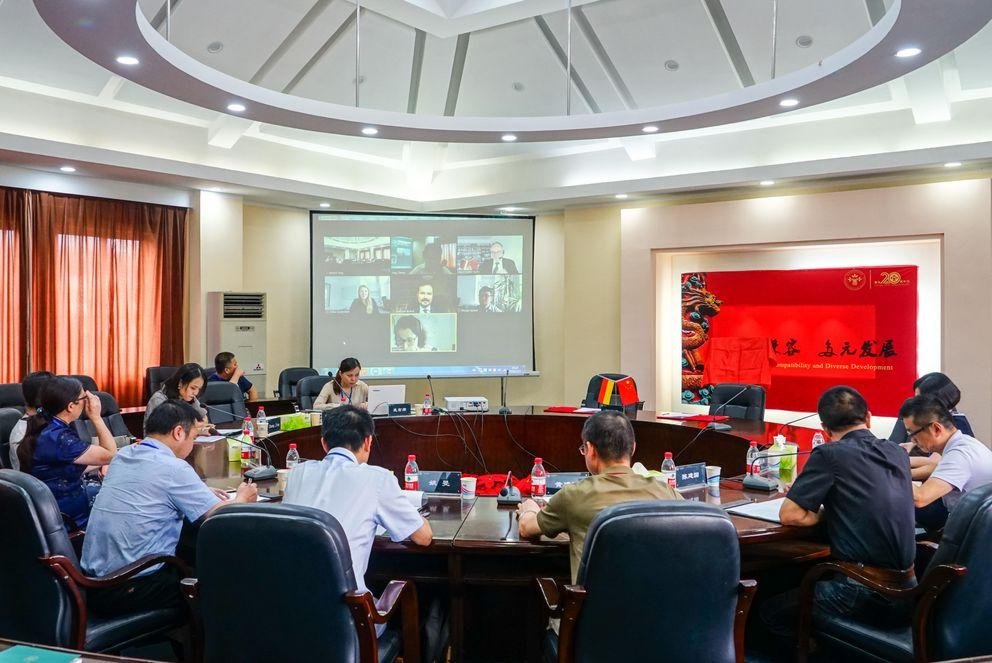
{"points": [[222, 398], [309, 388], [155, 377], [11, 395], [311, 601], [950, 603], [42, 588], [9, 417], [738, 401], [89, 384], [658, 580], [289, 377], [592, 391], [110, 412]]}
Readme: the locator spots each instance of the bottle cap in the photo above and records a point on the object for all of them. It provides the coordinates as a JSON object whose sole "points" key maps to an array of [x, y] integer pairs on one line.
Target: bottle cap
{"points": [[668, 454], [411, 457], [292, 445], [754, 443], [538, 461]]}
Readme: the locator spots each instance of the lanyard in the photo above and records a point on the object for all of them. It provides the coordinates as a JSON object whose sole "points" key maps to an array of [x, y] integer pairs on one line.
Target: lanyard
{"points": [[146, 443], [342, 455]]}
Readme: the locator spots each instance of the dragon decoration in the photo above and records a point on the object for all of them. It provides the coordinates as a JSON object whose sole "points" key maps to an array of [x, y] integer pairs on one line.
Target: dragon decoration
{"points": [[698, 306]]}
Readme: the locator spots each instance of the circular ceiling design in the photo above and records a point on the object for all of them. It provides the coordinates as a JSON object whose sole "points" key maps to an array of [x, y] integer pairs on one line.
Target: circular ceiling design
{"points": [[117, 35]]}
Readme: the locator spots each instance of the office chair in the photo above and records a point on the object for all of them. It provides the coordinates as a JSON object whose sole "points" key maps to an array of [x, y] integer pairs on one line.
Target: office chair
{"points": [[8, 419], [592, 391], [42, 587], [110, 412], [309, 388], [289, 377], [155, 377], [310, 595], [223, 397], [729, 399], [648, 588], [89, 384], [953, 592], [11, 395]]}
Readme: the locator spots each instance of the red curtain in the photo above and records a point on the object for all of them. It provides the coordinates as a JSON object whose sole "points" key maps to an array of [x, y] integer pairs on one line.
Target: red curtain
{"points": [[13, 296], [106, 289]]}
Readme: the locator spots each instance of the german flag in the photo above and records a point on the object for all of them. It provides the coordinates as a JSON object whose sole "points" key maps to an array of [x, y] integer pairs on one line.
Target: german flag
{"points": [[605, 391]]}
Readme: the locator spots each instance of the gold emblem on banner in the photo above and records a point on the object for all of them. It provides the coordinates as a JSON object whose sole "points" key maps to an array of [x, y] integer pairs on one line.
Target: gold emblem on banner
{"points": [[855, 279], [890, 279]]}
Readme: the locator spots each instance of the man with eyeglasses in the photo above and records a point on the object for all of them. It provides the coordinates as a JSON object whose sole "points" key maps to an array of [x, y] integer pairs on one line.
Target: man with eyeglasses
{"points": [[965, 463]]}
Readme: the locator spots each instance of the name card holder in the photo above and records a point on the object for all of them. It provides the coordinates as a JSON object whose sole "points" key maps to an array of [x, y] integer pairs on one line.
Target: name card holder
{"points": [[690, 476]]}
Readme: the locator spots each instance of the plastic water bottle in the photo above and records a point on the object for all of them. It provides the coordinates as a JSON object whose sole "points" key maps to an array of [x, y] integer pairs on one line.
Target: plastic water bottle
{"points": [[668, 469], [247, 437], [818, 439], [428, 404], [248, 429], [752, 457], [776, 452], [262, 422], [293, 457], [411, 474], [538, 479]]}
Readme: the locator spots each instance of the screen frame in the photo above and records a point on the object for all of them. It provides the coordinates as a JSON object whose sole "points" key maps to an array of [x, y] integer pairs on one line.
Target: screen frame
{"points": [[440, 215]]}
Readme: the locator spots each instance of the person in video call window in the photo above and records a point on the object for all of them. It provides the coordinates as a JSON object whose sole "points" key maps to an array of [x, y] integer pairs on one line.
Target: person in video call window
{"points": [[486, 304], [496, 263], [364, 302], [409, 335], [425, 300], [432, 263]]}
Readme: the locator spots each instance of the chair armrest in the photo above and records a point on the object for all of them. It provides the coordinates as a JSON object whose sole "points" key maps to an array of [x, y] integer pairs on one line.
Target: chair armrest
{"points": [[746, 590], [547, 589], [190, 588], [571, 608], [934, 582], [368, 612], [116, 578]]}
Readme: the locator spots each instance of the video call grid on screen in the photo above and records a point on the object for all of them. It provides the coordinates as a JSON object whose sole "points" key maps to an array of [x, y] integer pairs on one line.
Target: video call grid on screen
{"points": [[414, 295]]}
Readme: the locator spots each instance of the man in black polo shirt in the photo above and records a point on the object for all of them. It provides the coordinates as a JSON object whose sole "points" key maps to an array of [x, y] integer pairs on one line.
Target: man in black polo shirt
{"points": [[864, 485]]}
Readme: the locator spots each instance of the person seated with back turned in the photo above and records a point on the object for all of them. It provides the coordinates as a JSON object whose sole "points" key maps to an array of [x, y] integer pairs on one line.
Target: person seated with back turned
{"points": [[863, 485], [53, 452], [607, 445], [148, 492], [345, 388], [31, 387], [965, 463], [227, 370]]}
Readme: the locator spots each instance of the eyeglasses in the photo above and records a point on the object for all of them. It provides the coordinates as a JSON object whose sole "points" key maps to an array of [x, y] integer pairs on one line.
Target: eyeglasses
{"points": [[910, 436], [81, 398]]}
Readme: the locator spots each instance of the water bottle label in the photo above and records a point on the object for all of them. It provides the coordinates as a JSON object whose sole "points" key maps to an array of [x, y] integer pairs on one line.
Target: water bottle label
{"points": [[538, 485], [411, 482]]}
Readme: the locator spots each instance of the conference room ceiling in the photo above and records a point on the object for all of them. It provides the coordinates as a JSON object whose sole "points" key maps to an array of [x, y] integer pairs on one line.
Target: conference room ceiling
{"points": [[493, 58]]}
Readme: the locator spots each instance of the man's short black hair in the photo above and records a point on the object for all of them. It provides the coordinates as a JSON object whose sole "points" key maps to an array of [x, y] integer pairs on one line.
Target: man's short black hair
{"points": [[222, 360], [842, 407], [926, 409], [611, 433], [346, 426], [31, 386], [170, 414]]}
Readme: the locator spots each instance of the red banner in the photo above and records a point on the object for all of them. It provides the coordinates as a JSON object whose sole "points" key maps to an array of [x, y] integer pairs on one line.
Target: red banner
{"points": [[798, 332]]}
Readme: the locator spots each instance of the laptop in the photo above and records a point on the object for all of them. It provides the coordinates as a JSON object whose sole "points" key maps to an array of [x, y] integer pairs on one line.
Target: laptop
{"points": [[381, 396]]}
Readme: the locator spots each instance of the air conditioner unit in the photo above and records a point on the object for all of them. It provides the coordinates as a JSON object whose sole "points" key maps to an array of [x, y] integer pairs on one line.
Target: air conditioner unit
{"points": [[236, 323]]}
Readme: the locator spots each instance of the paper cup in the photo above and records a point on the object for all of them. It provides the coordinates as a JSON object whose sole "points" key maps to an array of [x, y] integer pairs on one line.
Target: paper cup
{"points": [[418, 408], [315, 418], [713, 475], [468, 488], [282, 476]]}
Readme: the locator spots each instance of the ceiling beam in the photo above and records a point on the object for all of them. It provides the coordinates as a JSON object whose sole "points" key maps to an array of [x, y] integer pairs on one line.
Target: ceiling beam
{"points": [[416, 69], [227, 130], [111, 88], [604, 59], [290, 40], [732, 47], [457, 69], [927, 96], [321, 52], [876, 10], [559, 53], [159, 19]]}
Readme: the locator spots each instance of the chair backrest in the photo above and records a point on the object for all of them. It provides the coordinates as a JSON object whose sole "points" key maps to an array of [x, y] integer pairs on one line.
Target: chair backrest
{"points": [[592, 391], [155, 376], [958, 628], [223, 397], [110, 412], [289, 377], [303, 593], [660, 576], [308, 389], [11, 395], [9, 417], [33, 605], [89, 384], [738, 401]]}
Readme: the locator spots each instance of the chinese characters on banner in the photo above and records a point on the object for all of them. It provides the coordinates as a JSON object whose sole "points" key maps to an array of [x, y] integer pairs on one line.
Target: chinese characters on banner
{"points": [[812, 329]]}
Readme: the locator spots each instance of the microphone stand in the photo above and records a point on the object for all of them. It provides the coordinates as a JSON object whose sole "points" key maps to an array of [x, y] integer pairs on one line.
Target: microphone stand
{"points": [[503, 409], [755, 481], [713, 425]]}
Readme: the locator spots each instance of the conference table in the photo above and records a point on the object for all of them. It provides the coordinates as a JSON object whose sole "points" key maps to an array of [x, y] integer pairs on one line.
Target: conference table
{"points": [[477, 558]]}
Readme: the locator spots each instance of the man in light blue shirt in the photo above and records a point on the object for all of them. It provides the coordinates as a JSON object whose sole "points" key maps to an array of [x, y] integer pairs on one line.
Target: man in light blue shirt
{"points": [[965, 463], [148, 492]]}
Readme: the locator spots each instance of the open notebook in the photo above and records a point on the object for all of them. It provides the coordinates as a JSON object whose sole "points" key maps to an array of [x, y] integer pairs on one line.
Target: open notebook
{"points": [[767, 510]]}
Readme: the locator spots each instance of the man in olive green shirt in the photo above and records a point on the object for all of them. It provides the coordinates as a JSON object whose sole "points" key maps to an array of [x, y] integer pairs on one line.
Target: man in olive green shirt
{"points": [[607, 445]]}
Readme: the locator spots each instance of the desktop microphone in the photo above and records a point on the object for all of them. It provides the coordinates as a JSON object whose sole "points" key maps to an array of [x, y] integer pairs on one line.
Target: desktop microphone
{"points": [[503, 409], [789, 423], [233, 417], [713, 425], [757, 482], [434, 406], [256, 473], [509, 495]]}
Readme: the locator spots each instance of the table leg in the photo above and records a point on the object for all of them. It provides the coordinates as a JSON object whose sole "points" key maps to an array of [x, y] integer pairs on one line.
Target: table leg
{"points": [[456, 588]]}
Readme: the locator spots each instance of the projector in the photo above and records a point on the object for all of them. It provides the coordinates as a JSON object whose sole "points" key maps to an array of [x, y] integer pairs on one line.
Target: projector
{"points": [[466, 404]]}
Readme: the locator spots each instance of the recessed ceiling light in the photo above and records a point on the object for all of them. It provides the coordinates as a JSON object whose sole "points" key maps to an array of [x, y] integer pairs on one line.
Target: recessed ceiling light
{"points": [[908, 52], [68, 169], [518, 86], [789, 102], [325, 205], [509, 210], [804, 41], [508, 138], [952, 164], [128, 60], [236, 108], [672, 65], [766, 182], [649, 129], [215, 189], [215, 47], [620, 196], [369, 131]]}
